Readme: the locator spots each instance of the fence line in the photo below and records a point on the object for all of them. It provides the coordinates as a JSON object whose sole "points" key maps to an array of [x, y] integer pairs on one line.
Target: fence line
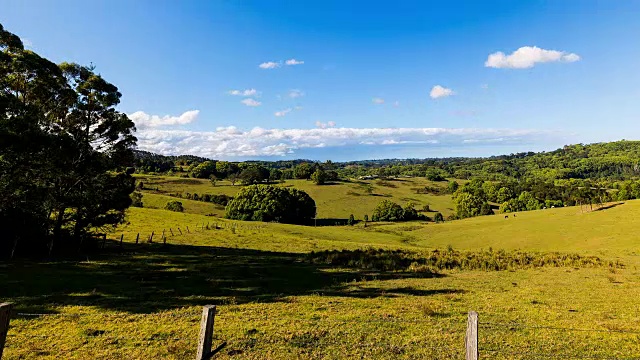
{"points": [[473, 348]]}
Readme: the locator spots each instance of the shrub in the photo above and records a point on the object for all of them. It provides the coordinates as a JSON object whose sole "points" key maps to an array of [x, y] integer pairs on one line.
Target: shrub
{"points": [[319, 177], [136, 199], [387, 210], [438, 217], [351, 220], [271, 203], [174, 206]]}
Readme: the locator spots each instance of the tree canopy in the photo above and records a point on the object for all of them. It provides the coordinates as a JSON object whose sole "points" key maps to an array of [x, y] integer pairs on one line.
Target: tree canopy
{"points": [[272, 203], [64, 151]]}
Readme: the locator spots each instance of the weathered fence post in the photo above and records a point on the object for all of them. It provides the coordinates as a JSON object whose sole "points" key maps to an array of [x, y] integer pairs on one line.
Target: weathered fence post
{"points": [[471, 338], [180, 231], [5, 316], [121, 238], [137, 238], [188, 228], [151, 237], [162, 234], [104, 240], [205, 340], [171, 231]]}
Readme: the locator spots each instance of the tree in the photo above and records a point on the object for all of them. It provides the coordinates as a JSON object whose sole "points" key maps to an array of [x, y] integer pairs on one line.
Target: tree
{"points": [[452, 186], [203, 170], [174, 205], [438, 217], [65, 151], [136, 199], [303, 171], [434, 175], [387, 210], [467, 205], [319, 177], [233, 178], [366, 218], [275, 175], [213, 180], [351, 220], [503, 195], [253, 175], [271, 203]]}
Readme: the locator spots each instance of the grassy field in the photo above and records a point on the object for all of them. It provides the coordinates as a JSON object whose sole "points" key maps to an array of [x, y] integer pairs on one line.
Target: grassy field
{"points": [[144, 301], [334, 201]]}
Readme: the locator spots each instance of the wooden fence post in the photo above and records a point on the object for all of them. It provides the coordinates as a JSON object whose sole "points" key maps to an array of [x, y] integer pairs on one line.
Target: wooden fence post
{"points": [[104, 240], [180, 231], [188, 228], [5, 316], [471, 338], [162, 234], [121, 238], [171, 231], [137, 238], [151, 237], [205, 340]]}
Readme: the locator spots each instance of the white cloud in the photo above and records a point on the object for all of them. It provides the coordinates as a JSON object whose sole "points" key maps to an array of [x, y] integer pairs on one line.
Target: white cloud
{"points": [[328, 124], [440, 91], [527, 57], [282, 112], [143, 120], [377, 101], [295, 93], [484, 86], [251, 102], [229, 142], [247, 92], [396, 103], [269, 65], [294, 62]]}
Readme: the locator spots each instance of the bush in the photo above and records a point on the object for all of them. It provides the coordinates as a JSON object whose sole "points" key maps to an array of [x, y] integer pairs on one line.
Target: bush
{"points": [[136, 199], [438, 217], [388, 211], [174, 206], [351, 220], [271, 203], [319, 177]]}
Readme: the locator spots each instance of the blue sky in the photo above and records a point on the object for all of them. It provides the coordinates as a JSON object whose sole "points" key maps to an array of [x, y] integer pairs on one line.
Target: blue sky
{"points": [[346, 80]]}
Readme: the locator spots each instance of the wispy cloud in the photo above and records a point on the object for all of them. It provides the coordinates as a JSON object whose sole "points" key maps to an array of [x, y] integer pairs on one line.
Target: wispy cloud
{"points": [[144, 120], [247, 92], [527, 57], [377, 101], [328, 124], [228, 142], [282, 113], [440, 92], [251, 102], [294, 62], [269, 65], [295, 93]]}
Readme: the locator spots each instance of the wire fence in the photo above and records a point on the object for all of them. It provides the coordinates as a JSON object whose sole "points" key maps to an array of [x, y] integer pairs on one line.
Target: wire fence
{"points": [[398, 338]]}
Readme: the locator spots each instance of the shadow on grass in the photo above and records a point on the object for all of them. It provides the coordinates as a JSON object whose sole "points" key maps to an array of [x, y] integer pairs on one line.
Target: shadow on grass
{"points": [[150, 277]]}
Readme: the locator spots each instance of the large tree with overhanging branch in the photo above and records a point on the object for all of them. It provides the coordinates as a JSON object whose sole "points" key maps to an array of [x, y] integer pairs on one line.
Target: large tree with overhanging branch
{"points": [[64, 150]]}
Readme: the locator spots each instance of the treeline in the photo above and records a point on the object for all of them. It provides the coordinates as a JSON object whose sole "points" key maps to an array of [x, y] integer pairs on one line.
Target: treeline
{"points": [[64, 153], [479, 197], [612, 161]]}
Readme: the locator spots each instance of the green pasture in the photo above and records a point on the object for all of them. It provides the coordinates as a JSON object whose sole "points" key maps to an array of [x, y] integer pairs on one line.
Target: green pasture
{"points": [[144, 300], [334, 201]]}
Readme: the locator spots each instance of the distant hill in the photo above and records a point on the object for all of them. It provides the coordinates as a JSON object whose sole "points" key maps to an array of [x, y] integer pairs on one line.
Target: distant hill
{"points": [[612, 160]]}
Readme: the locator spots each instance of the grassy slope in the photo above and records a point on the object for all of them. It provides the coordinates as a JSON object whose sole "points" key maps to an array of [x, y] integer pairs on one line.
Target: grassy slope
{"points": [[336, 201], [608, 231], [274, 306]]}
